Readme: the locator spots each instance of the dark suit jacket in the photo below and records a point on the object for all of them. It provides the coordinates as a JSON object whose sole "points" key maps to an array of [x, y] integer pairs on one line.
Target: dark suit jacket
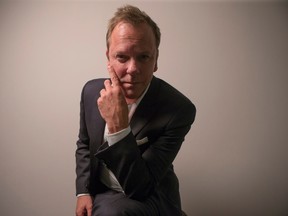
{"points": [[163, 118]]}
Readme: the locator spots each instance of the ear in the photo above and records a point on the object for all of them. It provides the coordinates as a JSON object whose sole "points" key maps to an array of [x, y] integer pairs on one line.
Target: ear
{"points": [[107, 54], [155, 67], [156, 63]]}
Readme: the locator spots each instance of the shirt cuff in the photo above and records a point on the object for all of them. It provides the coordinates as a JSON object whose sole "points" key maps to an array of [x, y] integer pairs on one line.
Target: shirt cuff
{"points": [[84, 194], [116, 137]]}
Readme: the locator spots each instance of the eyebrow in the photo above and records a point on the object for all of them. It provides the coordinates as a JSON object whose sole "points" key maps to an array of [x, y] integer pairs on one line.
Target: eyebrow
{"points": [[141, 52]]}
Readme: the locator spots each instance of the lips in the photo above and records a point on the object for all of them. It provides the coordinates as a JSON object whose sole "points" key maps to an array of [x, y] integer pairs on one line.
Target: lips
{"points": [[129, 83]]}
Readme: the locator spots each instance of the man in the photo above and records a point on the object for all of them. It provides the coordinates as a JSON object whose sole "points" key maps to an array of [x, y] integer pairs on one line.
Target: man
{"points": [[131, 127]]}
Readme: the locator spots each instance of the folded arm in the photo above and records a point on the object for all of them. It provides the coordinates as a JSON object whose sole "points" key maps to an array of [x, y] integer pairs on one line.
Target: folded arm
{"points": [[138, 172]]}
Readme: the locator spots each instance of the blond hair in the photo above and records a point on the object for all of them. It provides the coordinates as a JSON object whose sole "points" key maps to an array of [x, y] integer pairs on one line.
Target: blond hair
{"points": [[134, 16]]}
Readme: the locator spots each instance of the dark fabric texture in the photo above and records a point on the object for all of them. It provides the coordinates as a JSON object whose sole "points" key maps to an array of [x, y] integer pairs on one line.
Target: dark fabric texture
{"points": [[145, 172]]}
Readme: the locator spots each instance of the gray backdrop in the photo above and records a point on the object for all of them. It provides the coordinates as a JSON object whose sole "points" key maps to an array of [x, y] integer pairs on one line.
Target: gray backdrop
{"points": [[230, 59]]}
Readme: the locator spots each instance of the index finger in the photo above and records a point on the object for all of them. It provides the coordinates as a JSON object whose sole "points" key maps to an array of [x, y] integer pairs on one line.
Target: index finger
{"points": [[89, 212], [113, 76]]}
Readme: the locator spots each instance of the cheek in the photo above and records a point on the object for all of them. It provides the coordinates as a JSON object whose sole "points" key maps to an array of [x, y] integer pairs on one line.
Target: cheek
{"points": [[150, 70], [120, 70]]}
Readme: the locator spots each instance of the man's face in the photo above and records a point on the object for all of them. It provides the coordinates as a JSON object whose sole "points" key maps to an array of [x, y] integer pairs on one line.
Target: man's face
{"points": [[133, 55]]}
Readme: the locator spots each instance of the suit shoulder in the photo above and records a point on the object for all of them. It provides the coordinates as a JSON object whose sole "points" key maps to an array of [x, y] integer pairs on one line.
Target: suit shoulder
{"points": [[94, 82], [172, 99], [171, 94], [93, 85]]}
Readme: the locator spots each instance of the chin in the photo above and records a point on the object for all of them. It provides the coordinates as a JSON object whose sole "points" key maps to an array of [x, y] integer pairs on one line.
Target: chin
{"points": [[131, 96], [133, 93]]}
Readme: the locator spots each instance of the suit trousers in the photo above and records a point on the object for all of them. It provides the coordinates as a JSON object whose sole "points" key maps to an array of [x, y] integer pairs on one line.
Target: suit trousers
{"points": [[112, 203]]}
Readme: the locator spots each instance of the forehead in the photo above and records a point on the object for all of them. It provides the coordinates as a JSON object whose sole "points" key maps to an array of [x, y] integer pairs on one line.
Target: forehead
{"points": [[134, 34]]}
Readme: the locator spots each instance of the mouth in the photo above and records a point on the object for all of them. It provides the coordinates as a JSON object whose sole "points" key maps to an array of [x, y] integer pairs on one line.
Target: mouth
{"points": [[129, 83], [131, 86]]}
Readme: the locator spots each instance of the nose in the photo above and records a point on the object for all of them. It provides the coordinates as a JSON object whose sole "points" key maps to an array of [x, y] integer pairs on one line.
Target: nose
{"points": [[132, 67]]}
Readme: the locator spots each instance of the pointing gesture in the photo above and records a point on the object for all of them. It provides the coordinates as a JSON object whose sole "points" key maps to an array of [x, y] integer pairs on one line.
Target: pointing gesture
{"points": [[112, 104], [113, 76]]}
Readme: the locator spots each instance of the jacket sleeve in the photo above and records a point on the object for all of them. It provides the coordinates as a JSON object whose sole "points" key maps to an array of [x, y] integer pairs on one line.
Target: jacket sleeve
{"points": [[82, 154], [139, 173]]}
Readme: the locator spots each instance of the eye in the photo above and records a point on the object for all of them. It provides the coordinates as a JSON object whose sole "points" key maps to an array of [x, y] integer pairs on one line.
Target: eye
{"points": [[121, 58], [144, 57]]}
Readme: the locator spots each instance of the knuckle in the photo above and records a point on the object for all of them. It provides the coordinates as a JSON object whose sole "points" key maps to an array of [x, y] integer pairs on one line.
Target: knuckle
{"points": [[99, 101], [114, 79], [107, 82]]}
